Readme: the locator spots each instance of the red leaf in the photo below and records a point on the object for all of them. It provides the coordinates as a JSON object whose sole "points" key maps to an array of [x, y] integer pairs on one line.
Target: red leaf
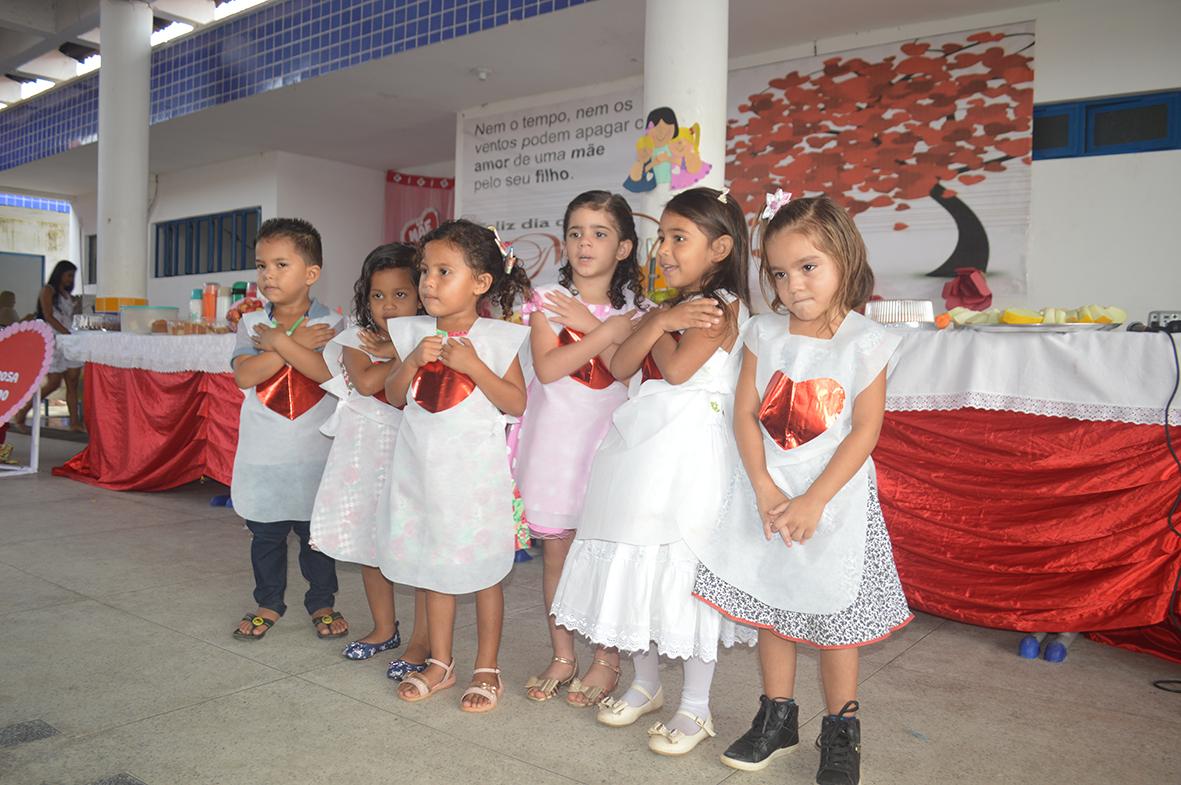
{"points": [[901, 206], [915, 48], [971, 179], [898, 227]]}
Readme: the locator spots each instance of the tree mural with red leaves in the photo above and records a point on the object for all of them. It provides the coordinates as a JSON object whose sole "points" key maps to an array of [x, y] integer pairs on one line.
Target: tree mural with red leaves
{"points": [[882, 134]]}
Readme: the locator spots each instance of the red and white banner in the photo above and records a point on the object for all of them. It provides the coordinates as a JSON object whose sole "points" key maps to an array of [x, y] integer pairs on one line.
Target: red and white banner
{"points": [[414, 205]]}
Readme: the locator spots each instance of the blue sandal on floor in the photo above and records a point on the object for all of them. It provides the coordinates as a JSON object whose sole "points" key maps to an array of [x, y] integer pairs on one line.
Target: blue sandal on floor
{"points": [[359, 650], [400, 669]]}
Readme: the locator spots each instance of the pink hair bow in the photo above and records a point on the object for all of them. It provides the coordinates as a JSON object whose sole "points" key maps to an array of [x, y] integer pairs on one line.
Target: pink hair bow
{"points": [[775, 203]]}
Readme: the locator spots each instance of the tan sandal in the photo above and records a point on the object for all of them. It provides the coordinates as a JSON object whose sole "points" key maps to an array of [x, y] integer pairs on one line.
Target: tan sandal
{"points": [[594, 694], [484, 690], [424, 690], [549, 687]]}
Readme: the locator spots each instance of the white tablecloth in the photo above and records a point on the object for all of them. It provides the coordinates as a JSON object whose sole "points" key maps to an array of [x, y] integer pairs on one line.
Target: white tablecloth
{"points": [[167, 353], [1099, 376]]}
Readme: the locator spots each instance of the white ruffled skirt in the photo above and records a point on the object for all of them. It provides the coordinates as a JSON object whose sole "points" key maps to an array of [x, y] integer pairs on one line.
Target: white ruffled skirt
{"points": [[630, 596]]}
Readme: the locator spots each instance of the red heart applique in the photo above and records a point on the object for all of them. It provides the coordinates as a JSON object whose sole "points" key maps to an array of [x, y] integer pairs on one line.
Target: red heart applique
{"points": [[649, 369], [594, 374], [437, 387], [289, 393], [795, 413], [26, 349]]}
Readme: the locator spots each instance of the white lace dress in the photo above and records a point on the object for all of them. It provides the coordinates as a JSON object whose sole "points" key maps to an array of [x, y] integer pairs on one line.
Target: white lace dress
{"points": [[660, 471]]}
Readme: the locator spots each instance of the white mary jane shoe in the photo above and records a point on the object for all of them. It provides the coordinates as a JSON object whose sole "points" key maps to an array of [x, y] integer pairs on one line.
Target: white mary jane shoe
{"points": [[617, 713], [663, 741]]}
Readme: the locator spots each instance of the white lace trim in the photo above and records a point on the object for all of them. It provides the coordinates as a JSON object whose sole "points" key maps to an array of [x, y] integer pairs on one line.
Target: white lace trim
{"points": [[1091, 412], [163, 353]]}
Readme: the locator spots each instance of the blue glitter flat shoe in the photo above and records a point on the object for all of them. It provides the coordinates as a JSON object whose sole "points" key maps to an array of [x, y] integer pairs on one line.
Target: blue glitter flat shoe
{"points": [[358, 650], [400, 669]]}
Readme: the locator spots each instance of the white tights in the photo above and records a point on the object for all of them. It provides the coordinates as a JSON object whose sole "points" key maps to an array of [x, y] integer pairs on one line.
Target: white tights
{"points": [[699, 674]]}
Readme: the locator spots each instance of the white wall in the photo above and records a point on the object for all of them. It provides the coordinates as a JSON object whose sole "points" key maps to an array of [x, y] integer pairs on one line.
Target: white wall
{"points": [[346, 204], [342, 201]]}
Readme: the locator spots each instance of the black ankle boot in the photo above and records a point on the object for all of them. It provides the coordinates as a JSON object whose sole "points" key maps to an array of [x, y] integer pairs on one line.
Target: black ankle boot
{"points": [[840, 747], [776, 729]]}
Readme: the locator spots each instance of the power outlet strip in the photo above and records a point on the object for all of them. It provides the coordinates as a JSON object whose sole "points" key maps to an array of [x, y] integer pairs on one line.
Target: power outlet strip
{"points": [[1162, 318]]}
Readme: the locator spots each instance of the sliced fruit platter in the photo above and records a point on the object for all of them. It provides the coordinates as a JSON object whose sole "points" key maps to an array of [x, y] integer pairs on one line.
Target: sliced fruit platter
{"points": [[1088, 317]]}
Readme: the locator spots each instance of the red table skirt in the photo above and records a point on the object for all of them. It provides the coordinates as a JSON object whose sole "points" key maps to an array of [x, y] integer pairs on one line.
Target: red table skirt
{"points": [[153, 431], [999, 519], [1034, 523]]}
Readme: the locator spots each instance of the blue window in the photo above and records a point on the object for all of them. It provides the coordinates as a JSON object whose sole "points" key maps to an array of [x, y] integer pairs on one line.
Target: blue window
{"points": [[204, 244], [1107, 126]]}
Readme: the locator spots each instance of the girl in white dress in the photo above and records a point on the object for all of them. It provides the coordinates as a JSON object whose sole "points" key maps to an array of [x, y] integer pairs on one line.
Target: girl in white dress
{"points": [[451, 528], [662, 470], [574, 329], [345, 515], [801, 551]]}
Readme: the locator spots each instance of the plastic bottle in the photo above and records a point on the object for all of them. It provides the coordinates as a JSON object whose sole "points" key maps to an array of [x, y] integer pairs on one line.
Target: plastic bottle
{"points": [[195, 306], [209, 303]]}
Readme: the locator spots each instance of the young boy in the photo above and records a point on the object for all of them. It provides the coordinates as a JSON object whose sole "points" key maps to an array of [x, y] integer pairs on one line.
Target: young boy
{"points": [[281, 452]]}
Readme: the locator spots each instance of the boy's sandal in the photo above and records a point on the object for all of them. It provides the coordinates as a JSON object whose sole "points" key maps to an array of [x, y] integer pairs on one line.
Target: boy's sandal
{"points": [[549, 687], [424, 690], [483, 689], [326, 619], [255, 623], [593, 695]]}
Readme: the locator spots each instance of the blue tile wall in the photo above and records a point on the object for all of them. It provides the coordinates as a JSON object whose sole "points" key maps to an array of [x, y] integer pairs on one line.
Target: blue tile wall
{"points": [[34, 203], [279, 44]]}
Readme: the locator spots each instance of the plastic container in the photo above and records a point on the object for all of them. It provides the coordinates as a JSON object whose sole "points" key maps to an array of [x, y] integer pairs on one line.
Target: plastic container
{"points": [[138, 319], [209, 302], [195, 306], [223, 304], [238, 292]]}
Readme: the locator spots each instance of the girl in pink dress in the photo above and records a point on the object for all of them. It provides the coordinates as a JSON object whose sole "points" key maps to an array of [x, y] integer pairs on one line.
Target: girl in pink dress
{"points": [[574, 329]]}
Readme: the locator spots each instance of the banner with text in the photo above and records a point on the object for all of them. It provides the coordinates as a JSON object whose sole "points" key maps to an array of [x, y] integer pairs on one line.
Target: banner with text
{"points": [[521, 169], [927, 143]]}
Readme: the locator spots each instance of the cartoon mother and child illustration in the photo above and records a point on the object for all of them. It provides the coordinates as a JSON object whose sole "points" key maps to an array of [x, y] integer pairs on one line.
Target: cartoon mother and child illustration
{"points": [[667, 154]]}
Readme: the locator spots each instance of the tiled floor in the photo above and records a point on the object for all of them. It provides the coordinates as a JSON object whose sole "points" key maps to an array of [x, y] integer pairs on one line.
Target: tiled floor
{"points": [[117, 609]]}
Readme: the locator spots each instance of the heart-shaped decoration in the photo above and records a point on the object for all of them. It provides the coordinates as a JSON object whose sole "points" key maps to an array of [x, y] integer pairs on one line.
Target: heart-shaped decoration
{"points": [[26, 349], [289, 393], [594, 374], [795, 413], [649, 369], [437, 387]]}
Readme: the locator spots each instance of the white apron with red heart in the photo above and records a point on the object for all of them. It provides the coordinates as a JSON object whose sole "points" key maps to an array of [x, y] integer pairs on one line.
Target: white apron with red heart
{"points": [[807, 387], [448, 509], [281, 452]]}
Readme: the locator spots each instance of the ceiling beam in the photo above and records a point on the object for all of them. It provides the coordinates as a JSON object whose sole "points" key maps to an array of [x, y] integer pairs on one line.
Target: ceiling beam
{"points": [[51, 65], [29, 16]]}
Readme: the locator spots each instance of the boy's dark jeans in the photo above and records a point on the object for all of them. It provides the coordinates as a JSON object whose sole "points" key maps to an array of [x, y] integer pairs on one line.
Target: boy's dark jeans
{"points": [[268, 555]]}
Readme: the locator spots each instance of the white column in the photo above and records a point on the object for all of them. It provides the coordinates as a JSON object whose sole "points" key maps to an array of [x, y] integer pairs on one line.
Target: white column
{"points": [[123, 95], [686, 54]]}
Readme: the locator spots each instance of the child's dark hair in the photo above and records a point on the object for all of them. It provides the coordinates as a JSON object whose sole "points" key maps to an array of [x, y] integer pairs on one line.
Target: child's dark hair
{"points": [[392, 256], [628, 273], [302, 235], [828, 226], [482, 253], [663, 114], [717, 216]]}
